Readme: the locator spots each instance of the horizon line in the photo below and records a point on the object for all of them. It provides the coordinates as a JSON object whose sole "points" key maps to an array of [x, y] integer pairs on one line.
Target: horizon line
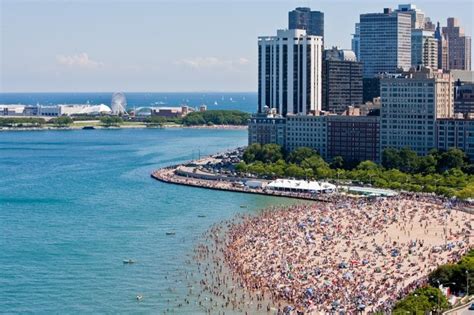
{"points": [[77, 92]]}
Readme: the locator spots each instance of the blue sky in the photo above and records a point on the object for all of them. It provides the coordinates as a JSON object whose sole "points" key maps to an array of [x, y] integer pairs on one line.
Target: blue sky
{"points": [[162, 46]]}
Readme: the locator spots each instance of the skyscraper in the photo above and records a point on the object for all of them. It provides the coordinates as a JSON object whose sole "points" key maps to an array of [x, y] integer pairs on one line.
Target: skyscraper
{"points": [[385, 42], [289, 72], [355, 42], [443, 49], [417, 16], [424, 49], [305, 19], [459, 46], [342, 80]]}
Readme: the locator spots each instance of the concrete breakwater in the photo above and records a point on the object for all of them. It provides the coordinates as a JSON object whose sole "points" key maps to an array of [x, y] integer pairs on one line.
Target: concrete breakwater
{"points": [[175, 175]]}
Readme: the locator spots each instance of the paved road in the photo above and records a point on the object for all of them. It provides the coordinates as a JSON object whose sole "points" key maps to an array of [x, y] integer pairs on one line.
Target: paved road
{"points": [[463, 311]]}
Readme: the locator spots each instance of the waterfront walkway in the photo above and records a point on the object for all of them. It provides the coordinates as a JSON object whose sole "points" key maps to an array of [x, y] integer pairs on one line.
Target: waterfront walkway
{"points": [[176, 175]]}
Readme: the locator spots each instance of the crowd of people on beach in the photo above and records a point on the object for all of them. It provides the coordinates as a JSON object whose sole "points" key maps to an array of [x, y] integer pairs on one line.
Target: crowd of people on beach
{"points": [[346, 254], [350, 255]]}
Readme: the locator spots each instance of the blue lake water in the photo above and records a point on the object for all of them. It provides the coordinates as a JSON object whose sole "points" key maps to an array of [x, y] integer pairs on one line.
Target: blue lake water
{"points": [[74, 204]]}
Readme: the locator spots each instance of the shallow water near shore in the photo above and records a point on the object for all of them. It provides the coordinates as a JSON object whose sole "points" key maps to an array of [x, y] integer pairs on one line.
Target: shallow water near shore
{"points": [[75, 204]]}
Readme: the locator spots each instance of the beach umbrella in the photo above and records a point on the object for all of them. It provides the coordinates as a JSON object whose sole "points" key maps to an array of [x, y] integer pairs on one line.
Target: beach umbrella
{"points": [[309, 292], [287, 309], [361, 307]]}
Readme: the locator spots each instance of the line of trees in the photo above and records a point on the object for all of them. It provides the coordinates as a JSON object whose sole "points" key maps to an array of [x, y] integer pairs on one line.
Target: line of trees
{"points": [[21, 122], [446, 173], [61, 121], [111, 120], [216, 117]]}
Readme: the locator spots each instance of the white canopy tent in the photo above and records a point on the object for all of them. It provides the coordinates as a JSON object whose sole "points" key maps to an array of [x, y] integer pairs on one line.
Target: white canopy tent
{"points": [[302, 186]]}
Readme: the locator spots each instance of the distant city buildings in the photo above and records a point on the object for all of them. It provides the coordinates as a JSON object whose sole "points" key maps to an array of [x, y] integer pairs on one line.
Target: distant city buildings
{"points": [[443, 49], [464, 99], [456, 133], [289, 72], [341, 80], [266, 128], [55, 110], [305, 19], [172, 112], [411, 103], [354, 138], [355, 41], [307, 131], [459, 45], [417, 16], [424, 49], [385, 42], [404, 84]]}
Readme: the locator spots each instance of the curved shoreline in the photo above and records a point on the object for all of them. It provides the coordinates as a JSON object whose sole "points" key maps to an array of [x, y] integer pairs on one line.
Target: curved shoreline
{"points": [[166, 175]]}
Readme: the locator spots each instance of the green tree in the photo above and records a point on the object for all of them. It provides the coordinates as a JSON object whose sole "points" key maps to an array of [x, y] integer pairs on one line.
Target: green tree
{"points": [[454, 275], [409, 159], [252, 153], [295, 171], [428, 164], [453, 158], [155, 120], [422, 300], [111, 120], [367, 166], [241, 167], [337, 162], [300, 154], [467, 192], [271, 153], [391, 159], [62, 121]]}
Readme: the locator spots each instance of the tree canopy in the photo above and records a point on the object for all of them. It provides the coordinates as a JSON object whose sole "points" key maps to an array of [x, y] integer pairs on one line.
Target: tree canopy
{"points": [[216, 117], [111, 120], [421, 174], [21, 121], [61, 121], [421, 301]]}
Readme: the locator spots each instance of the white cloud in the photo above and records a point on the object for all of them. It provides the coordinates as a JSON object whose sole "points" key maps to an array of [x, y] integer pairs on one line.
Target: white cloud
{"points": [[81, 60], [212, 62]]}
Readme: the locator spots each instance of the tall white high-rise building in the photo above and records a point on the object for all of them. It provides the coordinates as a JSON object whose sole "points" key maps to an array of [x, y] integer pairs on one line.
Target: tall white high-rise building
{"points": [[289, 72]]}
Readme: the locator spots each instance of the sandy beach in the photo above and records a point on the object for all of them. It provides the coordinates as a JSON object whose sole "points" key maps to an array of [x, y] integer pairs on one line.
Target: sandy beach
{"points": [[351, 255]]}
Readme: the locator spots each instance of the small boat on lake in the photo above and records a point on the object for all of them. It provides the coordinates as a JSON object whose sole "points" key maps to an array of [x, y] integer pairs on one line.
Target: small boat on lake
{"points": [[129, 261], [170, 233]]}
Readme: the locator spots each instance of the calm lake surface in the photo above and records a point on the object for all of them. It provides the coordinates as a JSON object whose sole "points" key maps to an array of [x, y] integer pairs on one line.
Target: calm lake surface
{"points": [[74, 204]]}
